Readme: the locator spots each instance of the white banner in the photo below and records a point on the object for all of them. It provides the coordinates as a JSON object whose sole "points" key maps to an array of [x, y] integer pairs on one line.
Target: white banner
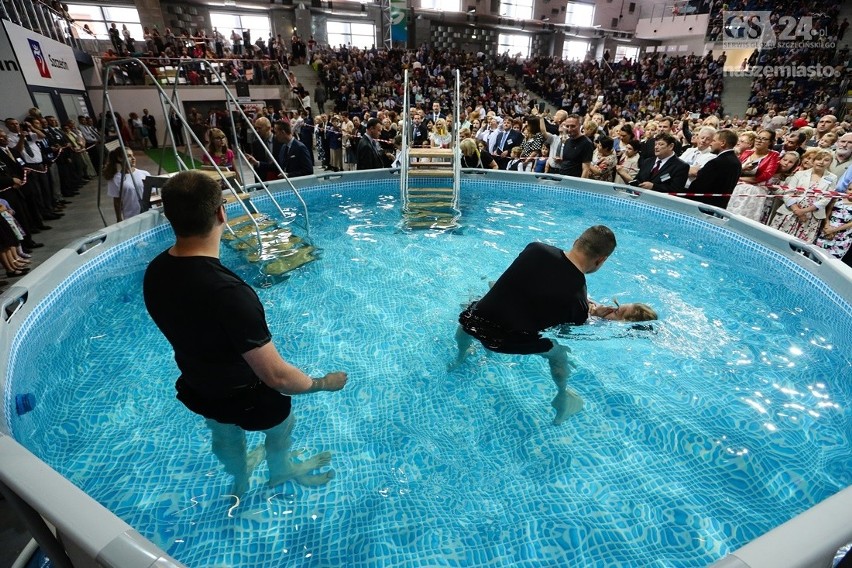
{"points": [[44, 62], [13, 89]]}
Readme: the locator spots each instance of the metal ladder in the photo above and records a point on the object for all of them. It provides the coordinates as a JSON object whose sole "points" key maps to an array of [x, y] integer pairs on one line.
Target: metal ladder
{"points": [[266, 240], [428, 201]]}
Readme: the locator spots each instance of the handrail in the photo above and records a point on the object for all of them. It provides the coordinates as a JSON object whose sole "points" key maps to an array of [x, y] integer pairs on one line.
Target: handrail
{"points": [[166, 104], [403, 156], [230, 98], [456, 143], [292, 86]]}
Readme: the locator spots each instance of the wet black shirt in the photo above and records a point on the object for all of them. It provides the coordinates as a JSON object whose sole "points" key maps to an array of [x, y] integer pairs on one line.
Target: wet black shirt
{"points": [[211, 317], [539, 290]]}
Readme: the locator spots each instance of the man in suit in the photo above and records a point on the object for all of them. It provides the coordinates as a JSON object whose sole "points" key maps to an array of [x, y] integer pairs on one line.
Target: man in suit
{"points": [[294, 157], [151, 124], [721, 174], [664, 126], [259, 158], [507, 138], [11, 189], [369, 154], [436, 112], [666, 173]]}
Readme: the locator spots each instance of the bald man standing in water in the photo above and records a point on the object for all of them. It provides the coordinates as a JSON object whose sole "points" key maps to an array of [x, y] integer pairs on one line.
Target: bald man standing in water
{"points": [[544, 287], [231, 372]]}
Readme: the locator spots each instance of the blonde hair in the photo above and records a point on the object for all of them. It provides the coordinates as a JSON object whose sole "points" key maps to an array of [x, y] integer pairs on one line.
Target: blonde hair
{"points": [[750, 134], [468, 147], [213, 134], [822, 153], [641, 312]]}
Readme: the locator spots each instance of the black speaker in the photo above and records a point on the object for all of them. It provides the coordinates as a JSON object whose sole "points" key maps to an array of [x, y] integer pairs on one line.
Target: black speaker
{"points": [[242, 89]]}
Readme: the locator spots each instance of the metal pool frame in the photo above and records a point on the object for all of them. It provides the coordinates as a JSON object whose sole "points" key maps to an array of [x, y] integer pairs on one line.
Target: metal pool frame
{"points": [[75, 530]]}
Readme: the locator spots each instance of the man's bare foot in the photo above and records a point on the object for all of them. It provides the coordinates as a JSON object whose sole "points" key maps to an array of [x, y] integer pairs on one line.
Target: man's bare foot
{"points": [[300, 472], [567, 403]]}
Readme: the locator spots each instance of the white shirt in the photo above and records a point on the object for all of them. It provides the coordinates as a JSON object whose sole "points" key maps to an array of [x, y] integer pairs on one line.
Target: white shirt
{"points": [[13, 139], [130, 191], [696, 158]]}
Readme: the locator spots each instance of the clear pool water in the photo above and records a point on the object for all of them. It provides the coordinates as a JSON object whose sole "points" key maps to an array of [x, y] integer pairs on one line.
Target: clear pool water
{"points": [[729, 419]]}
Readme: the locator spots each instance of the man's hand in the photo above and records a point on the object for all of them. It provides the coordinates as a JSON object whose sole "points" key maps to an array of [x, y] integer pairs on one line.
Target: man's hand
{"points": [[646, 185], [333, 381]]}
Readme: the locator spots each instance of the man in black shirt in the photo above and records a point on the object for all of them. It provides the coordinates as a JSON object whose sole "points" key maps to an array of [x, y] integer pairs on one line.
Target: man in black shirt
{"points": [[574, 155], [231, 372], [544, 287]]}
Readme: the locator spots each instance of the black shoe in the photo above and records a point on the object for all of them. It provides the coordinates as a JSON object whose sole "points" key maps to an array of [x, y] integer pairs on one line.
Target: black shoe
{"points": [[45, 228], [16, 273], [63, 202], [51, 216], [31, 244]]}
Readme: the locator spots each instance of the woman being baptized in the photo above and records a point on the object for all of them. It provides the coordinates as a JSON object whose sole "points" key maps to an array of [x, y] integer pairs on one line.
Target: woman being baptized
{"points": [[622, 312]]}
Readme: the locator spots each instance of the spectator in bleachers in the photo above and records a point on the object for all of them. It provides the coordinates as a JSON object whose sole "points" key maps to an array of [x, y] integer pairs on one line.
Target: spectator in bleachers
{"points": [[823, 127], [666, 172], [803, 210]]}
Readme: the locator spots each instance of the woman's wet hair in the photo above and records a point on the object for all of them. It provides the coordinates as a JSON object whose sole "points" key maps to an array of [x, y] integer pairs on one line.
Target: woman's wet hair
{"points": [[641, 312]]}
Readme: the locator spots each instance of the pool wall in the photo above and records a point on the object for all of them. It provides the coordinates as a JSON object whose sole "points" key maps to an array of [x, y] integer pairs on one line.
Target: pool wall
{"points": [[90, 535]]}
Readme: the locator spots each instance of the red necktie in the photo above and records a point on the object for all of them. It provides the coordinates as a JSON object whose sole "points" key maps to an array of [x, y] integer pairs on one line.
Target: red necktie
{"points": [[656, 169]]}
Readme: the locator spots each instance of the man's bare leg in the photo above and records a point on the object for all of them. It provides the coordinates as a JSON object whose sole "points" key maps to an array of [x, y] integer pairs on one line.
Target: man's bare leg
{"points": [[229, 446], [283, 468], [567, 402], [464, 342]]}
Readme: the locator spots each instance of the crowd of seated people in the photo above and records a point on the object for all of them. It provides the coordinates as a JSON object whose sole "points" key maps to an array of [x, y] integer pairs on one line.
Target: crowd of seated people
{"points": [[234, 56], [655, 83], [814, 94], [823, 14]]}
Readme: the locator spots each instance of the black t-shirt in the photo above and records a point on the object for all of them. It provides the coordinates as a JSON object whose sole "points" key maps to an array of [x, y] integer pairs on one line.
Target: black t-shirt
{"points": [[211, 317], [576, 152], [539, 290]]}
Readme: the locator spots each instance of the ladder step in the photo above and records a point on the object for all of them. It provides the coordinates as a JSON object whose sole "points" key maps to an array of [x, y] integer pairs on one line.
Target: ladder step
{"points": [[430, 173], [419, 205], [287, 262], [425, 164], [266, 239], [430, 152], [415, 190]]}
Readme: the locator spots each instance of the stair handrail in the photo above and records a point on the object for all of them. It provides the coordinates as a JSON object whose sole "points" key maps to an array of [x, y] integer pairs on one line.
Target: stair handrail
{"points": [[229, 96], [456, 143], [292, 86], [403, 156], [166, 104]]}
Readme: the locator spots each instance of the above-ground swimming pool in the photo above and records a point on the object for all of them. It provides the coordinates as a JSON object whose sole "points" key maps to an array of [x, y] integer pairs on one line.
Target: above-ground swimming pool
{"points": [[728, 417]]}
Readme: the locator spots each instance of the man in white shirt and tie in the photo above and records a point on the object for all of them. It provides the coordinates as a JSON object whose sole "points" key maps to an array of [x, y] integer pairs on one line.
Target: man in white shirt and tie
{"points": [[697, 156], [436, 112]]}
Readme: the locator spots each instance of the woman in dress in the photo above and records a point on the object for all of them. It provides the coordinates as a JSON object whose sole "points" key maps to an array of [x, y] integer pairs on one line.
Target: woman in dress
{"points": [[125, 183], [776, 184], [836, 236], [439, 135], [805, 201], [604, 160], [533, 140], [759, 165], [628, 164]]}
